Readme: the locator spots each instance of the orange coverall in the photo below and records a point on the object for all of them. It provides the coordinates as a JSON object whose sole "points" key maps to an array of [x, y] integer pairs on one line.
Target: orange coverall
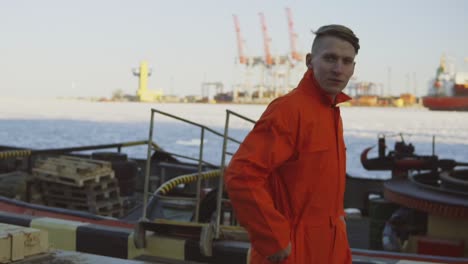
{"points": [[286, 182]]}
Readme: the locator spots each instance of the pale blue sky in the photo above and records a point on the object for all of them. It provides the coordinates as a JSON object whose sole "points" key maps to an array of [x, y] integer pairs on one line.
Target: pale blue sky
{"points": [[88, 48]]}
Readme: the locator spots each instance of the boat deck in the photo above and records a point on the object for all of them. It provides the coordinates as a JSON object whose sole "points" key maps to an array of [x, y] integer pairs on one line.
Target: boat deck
{"points": [[69, 257]]}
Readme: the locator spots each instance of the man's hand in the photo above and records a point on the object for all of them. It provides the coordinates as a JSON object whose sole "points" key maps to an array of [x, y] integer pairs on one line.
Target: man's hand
{"points": [[281, 255]]}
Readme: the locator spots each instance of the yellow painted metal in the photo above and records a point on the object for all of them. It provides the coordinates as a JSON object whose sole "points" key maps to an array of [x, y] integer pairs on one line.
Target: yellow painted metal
{"points": [[18, 242], [165, 247], [133, 252], [62, 233], [144, 94], [184, 179], [143, 84], [5, 248], [14, 154]]}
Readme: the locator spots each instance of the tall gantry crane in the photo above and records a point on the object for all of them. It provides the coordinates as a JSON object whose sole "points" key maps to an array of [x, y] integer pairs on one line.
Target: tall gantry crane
{"points": [[295, 55], [244, 64], [265, 77], [266, 41], [240, 41]]}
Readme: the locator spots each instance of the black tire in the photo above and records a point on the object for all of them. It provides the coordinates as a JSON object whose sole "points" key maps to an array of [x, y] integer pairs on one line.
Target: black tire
{"points": [[109, 156], [125, 169], [126, 173]]}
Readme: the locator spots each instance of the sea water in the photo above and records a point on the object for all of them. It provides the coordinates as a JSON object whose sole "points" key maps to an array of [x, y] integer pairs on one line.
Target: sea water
{"points": [[58, 123]]}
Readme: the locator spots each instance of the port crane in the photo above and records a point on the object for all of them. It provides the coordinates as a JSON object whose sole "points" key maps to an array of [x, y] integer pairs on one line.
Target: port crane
{"points": [[272, 72], [295, 55], [268, 60], [240, 41]]}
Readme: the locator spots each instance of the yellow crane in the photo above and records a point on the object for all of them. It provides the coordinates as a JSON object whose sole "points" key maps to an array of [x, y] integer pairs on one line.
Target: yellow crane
{"points": [[143, 93]]}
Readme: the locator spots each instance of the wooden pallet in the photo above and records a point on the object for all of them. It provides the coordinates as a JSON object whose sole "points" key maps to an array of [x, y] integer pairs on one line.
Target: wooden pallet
{"points": [[73, 165], [73, 180], [34, 192], [103, 184], [72, 171]]}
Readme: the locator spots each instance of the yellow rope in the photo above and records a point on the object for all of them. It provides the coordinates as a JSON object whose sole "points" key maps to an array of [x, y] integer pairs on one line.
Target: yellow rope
{"points": [[171, 184], [14, 154]]}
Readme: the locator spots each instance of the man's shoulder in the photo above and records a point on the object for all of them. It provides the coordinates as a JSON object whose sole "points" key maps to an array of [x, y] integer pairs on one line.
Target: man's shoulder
{"points": [[283, 105], [292, 98], [286, 107], [296, 100]]}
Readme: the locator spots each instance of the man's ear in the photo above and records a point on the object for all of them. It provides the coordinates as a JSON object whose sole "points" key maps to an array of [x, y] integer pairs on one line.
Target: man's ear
{"points": [[309, 60]]}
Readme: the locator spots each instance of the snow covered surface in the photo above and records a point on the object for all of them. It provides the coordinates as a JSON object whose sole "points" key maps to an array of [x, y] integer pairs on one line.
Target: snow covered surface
{"points": [[54, 123]]}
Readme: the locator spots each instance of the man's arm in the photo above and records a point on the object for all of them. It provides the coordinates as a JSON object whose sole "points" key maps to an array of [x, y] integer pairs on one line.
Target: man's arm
{"points": [[266, 148]]}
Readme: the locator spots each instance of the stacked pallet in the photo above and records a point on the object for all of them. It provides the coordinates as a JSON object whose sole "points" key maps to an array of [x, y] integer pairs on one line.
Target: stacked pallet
{"points": [[79, 184]]}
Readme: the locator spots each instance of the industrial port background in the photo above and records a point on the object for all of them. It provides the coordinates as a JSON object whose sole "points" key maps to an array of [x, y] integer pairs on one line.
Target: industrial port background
{"points": [[93, 49]]}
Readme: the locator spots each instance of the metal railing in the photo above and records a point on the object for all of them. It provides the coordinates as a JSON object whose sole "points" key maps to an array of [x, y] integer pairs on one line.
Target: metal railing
{"points": [[223, 161], [200, 160]]}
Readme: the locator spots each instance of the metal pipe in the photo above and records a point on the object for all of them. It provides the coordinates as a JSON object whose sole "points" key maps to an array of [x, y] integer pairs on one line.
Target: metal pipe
{"points": [[147, 169], [93, 147], [221, 178], [199, 178], [193, 123], [241, 116], [190, 158]]}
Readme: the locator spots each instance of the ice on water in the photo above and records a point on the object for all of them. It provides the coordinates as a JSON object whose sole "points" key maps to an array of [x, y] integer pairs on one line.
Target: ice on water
{"points": [[55, 123]]}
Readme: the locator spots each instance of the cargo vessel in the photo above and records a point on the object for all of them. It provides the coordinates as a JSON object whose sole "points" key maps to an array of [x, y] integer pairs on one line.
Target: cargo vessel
{"points": [[448, 91]]}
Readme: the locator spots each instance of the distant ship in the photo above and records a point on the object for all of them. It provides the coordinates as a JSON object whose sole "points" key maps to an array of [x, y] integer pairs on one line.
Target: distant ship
{"points": [[449, 90]]}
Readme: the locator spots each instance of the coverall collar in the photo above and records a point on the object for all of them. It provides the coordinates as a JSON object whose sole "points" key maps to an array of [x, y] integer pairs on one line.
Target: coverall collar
{"points": [[311, 86]]}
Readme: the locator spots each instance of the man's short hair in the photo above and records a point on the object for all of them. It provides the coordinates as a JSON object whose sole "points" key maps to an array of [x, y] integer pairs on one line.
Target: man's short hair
{"points": [[338, 31]]}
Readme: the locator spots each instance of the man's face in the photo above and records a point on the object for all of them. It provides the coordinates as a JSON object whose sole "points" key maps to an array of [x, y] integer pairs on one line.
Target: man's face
{"points": [[333, 63]]}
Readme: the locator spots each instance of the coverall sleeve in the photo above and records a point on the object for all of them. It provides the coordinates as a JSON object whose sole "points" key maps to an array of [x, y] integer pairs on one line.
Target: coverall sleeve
{"points": [[264, 149]]}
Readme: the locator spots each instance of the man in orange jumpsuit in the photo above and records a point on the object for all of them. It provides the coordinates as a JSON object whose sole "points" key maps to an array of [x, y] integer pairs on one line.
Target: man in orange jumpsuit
{"points": [[286, 181]]}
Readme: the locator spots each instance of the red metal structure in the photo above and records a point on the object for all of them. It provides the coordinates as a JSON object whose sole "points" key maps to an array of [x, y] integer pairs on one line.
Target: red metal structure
{"points": [[240, 46], [292, 37], [266, 41]]}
